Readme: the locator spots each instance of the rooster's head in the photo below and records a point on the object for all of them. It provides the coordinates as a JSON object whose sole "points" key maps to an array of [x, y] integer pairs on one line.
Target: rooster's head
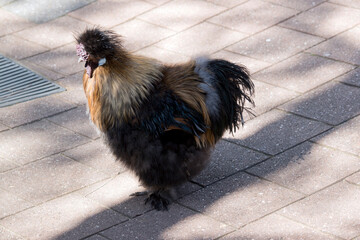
{"points": [[95, 47]]}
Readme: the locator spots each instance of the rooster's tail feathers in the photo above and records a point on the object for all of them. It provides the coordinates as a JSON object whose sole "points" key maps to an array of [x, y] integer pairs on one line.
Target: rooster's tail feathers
{"points": [[228, 87]]}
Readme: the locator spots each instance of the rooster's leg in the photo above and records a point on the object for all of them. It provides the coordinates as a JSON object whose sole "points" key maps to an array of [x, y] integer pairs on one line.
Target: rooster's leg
{"points": [[158, 200]]}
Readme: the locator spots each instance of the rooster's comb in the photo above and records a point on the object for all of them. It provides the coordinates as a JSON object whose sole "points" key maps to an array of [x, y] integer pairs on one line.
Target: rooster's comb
{"points": [[99, 43]]}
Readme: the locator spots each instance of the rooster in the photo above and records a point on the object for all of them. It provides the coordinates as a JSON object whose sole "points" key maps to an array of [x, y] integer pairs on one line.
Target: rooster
{"points": [[161, 121]]}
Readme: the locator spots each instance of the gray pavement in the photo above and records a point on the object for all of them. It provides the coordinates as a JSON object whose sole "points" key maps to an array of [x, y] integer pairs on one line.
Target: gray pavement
{"points": [[292, 172]]}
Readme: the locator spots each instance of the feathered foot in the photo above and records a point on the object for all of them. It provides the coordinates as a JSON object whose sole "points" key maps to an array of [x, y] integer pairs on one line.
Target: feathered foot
{"points": [[158, 201]]}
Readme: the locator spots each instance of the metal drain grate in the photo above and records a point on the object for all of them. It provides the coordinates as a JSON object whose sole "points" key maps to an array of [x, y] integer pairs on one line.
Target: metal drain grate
{"points": [[18, 84]]}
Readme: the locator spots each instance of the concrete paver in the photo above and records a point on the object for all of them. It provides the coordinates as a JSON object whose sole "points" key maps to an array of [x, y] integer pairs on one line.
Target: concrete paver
{"points": [[68, 214], [26, 112], [325, 20], [77, 121], [334, 210], [190, 13], [355, 178], [227, 159], [240, 199], [274, 44], [59, 60], [276, 131], [11, 204], [252, 64], [253, 16], [302, 72], [106, 13], [210, 38], [178, 223], [57, 170], [130, 33], [268, 97], [277, 227], [74, 89], [343, 47], [95, 154], [54, 33], [319, 103], [299, 5], [292, 172], [307, 168], [3, 127], [30, 142], [344, 137], [353, 77], [10, 23], [7, 165], [29, 47]]}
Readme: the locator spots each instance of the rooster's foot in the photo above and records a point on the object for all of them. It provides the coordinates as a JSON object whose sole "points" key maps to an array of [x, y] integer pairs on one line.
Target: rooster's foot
{"points": [[157, 201]]}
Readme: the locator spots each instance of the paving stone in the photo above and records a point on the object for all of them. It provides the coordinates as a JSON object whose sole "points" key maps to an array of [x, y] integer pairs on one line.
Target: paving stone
{"points": [[302, 72], [276, 131], [349, 3], [355, 178], [109, 13], [307, 168], [96, 237], [10, 23], [227, 3], [67, 217], [277, 227], [274, 44], [76, 120], [226, 159], [49, 178], [163, 55], [55, 33], [62, 60], [267, 97], [299, 5], [335, 210], [26, 112], [190, 13], [252, 64], [3, 127], [7, 165], [344, 47], [158, 2], [352, 77], [96, 155], [239, 199], [10, 204], [10, 47], [42, 71], [131, 38], [74, 89], [4, 2], [37, 140], [7, 235], [313, 21], [253, 16], [41, 11], [116, 195], [344, 137], [209, 39], [332, 103], [177, 223]]}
